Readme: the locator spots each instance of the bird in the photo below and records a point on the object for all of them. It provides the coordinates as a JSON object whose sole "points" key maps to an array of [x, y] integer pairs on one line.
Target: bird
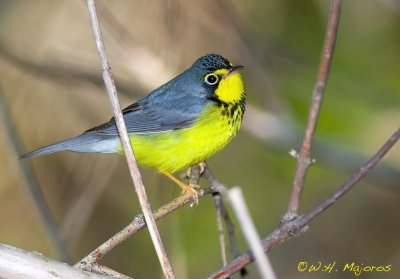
{"points": [[180, 124]]}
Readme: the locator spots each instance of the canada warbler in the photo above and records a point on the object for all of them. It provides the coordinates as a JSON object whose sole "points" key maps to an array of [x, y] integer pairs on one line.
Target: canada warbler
{"points": [[179, 124]]}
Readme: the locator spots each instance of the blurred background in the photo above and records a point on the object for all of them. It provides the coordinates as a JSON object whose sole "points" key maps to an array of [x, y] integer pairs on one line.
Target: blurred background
{"points": [[51, 89]]}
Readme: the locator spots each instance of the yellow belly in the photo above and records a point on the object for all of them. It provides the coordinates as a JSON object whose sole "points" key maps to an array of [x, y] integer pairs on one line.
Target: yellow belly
{"points": [[178, 149]]}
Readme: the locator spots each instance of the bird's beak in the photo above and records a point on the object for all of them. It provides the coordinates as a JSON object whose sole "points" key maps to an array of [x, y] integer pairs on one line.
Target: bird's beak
{"points": [[235, 68]]}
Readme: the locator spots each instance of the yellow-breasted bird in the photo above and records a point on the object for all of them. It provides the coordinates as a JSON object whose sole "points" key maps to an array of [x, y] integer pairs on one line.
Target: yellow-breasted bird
{"points": [[179, 124]]}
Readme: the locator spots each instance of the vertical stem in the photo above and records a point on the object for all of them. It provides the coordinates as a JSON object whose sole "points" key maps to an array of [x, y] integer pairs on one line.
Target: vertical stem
{"points": [[130, 158], [250, 233], [218, 210], [303, 157]]}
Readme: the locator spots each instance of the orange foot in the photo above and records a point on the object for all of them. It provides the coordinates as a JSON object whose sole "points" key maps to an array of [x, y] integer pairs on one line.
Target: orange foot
{"points": [[191, 189]]}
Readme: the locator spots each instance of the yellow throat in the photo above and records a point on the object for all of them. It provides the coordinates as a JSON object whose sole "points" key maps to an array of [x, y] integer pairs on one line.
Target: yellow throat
{"points": [[230, 89]]}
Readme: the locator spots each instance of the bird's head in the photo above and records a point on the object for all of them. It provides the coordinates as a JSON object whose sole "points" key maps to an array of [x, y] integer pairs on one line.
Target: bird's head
{"points": [[221, 79]]}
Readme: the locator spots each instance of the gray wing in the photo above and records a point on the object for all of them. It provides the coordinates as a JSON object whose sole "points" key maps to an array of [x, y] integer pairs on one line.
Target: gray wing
{"points": [[160, 111]]}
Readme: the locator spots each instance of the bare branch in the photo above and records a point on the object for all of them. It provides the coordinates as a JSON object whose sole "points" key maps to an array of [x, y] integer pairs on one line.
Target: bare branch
{"points": [[214, 183], [250, 233], [230, 228], [304, 160], [220, 227], [90, 262], [220, 187], [370, 164], [130, 158], [17, 263], [138, 223], [297, 226]]}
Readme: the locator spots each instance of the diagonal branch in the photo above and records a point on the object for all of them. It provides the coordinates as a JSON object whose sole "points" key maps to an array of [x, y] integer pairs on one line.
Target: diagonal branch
{"points": [[138, 223], [130, 158], [90, 262], [303, 157], [363, 171], [297, 226]]}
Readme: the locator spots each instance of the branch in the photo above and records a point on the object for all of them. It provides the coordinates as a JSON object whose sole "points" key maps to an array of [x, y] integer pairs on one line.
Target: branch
{"points": [[363, 171], [90, 262], [220, 227], [222, 213], [303, 158], [21, 264], [130, 158], [138, 223], [250, 233], [297, 226], [230, 229]]}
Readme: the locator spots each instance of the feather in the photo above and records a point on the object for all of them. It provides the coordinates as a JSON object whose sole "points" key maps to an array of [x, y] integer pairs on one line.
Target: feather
{"points": [[87, 142]]}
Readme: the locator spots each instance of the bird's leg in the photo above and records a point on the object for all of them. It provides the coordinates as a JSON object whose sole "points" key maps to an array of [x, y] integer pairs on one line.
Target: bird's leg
{"points": [[201, 165], [189, 188]]}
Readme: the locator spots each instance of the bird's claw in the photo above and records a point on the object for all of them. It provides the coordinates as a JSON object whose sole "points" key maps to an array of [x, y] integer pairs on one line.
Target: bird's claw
{"points": [[192, 190]]}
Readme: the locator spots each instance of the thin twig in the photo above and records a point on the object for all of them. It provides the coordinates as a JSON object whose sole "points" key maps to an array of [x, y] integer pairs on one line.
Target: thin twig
{"points": [[370, 164], [215, 183], [90, 262], [303, 157], [219, 215], [220, 228], [31, 184], [194, 175], [138, 223], [250, 233], [296, 226], [130, 158], [230, 228]]}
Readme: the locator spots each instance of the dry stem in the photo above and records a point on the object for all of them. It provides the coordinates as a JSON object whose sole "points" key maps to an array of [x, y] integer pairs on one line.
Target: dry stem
{"points": [[130, 158], [303, 157], [250, 233], [220, 227]]}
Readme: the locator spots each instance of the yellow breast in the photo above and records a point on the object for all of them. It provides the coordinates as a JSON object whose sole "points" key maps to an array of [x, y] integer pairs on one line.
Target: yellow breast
{"points": [[178, 149]]}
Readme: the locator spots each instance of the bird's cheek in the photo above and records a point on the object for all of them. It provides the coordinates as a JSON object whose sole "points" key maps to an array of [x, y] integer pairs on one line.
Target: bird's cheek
{"points": [[230, 88]]}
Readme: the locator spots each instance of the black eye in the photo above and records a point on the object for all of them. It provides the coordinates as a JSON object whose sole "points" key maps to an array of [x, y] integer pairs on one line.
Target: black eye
{"points": [[211, 79]]}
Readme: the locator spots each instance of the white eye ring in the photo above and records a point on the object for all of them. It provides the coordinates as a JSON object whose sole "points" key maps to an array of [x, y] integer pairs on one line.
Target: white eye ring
{"points": [[211, 79]]}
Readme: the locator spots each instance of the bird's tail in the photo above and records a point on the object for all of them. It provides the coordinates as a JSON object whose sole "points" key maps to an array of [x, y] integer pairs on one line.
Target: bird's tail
{"points": [[86, 142]]}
